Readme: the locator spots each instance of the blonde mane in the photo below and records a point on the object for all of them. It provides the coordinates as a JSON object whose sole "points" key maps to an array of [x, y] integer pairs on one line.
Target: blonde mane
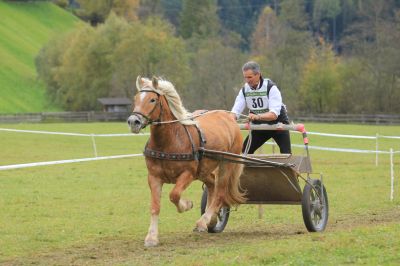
{"points": [[174, 100]]}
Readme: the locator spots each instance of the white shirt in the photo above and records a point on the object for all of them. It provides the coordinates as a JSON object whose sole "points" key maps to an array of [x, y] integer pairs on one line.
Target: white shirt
{"points": [[257, 101]]}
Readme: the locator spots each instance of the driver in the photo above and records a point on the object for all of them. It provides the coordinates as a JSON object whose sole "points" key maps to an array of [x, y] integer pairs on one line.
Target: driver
{"points": [[264, 101]]}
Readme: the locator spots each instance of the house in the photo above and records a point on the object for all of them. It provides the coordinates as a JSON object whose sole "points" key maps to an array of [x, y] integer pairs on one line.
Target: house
{"points": [[115, 104]]}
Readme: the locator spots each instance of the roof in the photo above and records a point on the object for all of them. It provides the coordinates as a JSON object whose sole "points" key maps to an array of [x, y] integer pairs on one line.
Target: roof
{"points": [[114, 101]]}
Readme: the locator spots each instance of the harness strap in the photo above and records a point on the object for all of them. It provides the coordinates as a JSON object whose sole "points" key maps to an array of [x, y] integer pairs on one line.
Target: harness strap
{"points": [[168, 156], [203, 141], [194, 155]]}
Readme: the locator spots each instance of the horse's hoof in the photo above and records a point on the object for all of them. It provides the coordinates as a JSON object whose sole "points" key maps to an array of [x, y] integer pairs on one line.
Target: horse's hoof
{"points": [[150, 243], [200, 230], [213, 221], [184, 206]]}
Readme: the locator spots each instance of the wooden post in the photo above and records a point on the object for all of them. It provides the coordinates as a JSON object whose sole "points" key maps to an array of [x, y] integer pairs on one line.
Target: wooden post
{"points": [[391, 175], [260, 211], [376, 148]]}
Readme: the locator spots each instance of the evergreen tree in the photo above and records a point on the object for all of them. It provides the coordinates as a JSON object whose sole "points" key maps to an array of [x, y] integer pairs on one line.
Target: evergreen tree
{"points": [[324, 18], [199, 18]]}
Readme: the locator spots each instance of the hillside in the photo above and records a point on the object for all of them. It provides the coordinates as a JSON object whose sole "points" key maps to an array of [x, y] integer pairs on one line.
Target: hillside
{"points": [[24, 29]]}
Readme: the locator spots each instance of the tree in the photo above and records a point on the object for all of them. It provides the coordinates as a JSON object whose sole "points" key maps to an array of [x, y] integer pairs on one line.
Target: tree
{"points": [[126, 8], [321, 85], [97, 11], [373, 40], [199, 18], [149, 8], [217, 76], [94, 11], [281, 45], [90, 63], [148, 50], [240, 16], [326, 10], [172, 9]]}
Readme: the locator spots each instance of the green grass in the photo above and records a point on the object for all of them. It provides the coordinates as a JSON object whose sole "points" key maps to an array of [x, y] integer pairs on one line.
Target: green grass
{"points": [[97, 212], [24, 28]]}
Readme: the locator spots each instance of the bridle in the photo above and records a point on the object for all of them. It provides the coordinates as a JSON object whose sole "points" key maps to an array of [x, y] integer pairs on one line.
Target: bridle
{"points": [[147, 117]]}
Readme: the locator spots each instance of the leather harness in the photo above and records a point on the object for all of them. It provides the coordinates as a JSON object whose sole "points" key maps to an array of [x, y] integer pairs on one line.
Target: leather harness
{"points": [[196, 154]]}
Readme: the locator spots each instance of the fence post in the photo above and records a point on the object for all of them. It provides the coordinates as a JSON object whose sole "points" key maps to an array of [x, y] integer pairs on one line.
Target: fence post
{"points": [[377, 149], [391, 175], [260, 211], [260, 207], [94, 146]]}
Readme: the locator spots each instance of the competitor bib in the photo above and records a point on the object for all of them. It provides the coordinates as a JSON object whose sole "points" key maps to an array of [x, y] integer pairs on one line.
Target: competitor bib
{"points": [[257, 101]]}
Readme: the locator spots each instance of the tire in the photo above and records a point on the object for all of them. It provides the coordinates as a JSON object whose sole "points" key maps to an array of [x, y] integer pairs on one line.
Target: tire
{"points": [[315, 209], [223, 215]]}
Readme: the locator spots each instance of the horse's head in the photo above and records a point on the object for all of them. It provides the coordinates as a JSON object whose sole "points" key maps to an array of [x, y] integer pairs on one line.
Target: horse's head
{"points": [[147, 104]]}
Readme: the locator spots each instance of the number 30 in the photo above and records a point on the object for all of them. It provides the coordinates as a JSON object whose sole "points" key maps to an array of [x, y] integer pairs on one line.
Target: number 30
{"points": [[257, 103]]}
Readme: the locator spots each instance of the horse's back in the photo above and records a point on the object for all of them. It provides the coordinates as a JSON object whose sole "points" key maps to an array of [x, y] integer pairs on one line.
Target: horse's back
{"points": [[221, 131]]}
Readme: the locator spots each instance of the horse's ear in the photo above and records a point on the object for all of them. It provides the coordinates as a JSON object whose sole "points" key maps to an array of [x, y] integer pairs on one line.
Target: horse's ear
{"points": [[139, 82], [155, 82]]}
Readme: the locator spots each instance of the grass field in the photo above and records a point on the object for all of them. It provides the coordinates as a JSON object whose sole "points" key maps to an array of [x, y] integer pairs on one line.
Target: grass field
{"points": [[24, 28], [97, 212]]}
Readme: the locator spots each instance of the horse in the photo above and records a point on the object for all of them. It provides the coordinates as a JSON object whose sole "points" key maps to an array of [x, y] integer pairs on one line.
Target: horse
{"points": [[173, 152]]}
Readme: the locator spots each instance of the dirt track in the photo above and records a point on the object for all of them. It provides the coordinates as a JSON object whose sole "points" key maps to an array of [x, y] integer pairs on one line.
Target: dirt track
{"points": [[116, 251]]}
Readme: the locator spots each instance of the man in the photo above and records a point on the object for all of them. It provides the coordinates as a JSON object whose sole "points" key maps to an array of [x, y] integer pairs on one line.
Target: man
{"points": [[264, 101]]}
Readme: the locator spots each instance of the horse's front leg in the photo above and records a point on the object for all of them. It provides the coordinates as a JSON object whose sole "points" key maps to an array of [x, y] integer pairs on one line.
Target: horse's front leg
{"points": [[155, 185], [182, 182]]}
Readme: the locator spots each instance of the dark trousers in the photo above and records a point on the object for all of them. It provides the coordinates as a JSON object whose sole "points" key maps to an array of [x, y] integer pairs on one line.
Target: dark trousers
{"points": [[259, 137]]}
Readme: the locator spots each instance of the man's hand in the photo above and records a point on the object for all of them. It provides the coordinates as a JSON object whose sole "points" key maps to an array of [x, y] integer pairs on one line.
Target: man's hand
{"points": [[254, 117]]}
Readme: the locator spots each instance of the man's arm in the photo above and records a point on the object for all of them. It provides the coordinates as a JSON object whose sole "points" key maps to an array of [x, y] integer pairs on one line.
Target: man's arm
{"points": [[269, 116], [238, 106]]}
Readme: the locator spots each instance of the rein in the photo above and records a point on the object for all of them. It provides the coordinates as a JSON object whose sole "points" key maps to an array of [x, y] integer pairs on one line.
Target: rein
{"points": [[195, 154], [195, 116]]}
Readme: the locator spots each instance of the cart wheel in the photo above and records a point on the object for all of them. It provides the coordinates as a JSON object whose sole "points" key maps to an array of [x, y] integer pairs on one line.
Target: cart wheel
{"points": [[315, 208], [222, 216]]}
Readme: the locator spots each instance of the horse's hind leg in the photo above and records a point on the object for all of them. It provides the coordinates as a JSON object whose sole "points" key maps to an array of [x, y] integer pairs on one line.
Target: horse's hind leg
{"points": [[182, 182], [209, 216], [155, 185], [213, 206]]}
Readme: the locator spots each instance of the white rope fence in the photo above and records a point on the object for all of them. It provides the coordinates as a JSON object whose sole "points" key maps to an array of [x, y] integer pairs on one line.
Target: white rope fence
{"points": [[92, 136], [376, 137], [72, 134], [25, 165]]}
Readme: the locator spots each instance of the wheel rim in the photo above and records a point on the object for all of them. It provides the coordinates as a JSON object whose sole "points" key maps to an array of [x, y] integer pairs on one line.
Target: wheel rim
{"points": [[221, 217], [317, 209]]}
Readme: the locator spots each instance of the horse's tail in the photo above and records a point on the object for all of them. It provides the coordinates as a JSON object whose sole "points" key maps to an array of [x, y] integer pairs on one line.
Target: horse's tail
{"points": [[231, 173]]}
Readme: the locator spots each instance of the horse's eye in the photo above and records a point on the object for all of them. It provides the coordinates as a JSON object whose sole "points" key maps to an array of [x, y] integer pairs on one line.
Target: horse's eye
{"points": [[153, 100]]}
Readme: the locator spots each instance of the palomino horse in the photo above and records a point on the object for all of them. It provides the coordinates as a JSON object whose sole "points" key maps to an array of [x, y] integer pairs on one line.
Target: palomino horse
{"points": [[173, 152]]}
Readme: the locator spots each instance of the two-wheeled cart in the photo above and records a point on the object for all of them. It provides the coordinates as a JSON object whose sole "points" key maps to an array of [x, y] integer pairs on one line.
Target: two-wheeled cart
{"points": [[274, 179]]}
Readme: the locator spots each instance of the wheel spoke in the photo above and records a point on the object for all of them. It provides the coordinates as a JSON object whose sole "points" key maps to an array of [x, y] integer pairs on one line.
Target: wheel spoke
{"points": [[316, 219], [312, 195]]}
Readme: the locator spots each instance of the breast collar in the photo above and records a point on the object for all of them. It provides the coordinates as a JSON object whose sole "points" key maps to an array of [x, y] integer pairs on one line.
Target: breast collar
{"points": [[196, 154]]}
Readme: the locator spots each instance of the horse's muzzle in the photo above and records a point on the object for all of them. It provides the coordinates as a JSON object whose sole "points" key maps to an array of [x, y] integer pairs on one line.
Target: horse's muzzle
{"points": [[136, 123]]}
